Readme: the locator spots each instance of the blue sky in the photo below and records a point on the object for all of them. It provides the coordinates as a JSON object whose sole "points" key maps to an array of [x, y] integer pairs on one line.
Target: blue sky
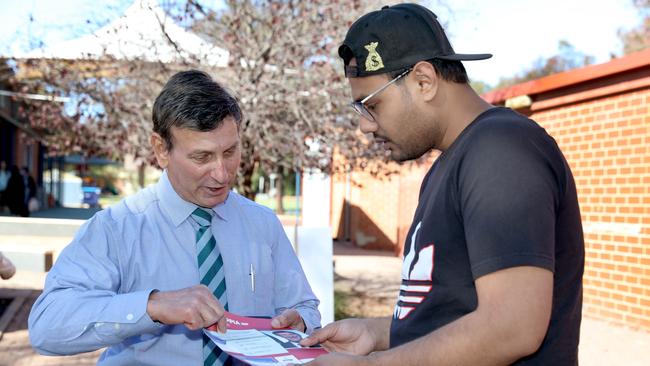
{"points": [[53, 21], [517, 32]]}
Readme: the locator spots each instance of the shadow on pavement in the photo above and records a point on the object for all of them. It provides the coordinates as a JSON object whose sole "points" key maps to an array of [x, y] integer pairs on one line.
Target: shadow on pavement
{"points": [[61, 213]]}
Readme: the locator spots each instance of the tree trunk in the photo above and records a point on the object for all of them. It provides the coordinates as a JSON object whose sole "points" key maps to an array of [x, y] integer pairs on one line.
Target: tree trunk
{"points": [[246, 187], [141, 168], [279, 185]]}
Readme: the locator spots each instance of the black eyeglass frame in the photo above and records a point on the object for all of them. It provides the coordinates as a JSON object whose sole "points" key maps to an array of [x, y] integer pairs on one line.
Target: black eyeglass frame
{"points": [[360, 106]]}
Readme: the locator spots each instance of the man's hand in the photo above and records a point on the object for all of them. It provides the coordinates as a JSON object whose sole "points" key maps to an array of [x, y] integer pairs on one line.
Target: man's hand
{"points": [[353, 336], [289, 318], [7, 269], [195, 306]]}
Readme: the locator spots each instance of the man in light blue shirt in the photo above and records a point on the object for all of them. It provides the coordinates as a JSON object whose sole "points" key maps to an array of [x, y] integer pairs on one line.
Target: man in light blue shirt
{"points": [[130, 279]]}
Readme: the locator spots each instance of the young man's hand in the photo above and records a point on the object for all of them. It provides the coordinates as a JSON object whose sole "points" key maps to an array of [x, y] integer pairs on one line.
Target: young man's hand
{"points": [[339, 359], [353, 336]]}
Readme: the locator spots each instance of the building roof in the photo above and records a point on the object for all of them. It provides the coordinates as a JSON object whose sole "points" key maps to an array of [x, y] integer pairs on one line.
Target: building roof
{"points": [[144, 31], [628, 64]]}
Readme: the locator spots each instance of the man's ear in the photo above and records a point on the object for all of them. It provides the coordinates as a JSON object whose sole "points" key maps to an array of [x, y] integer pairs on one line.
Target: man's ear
{"points": [[426, 79], [160, 149]]}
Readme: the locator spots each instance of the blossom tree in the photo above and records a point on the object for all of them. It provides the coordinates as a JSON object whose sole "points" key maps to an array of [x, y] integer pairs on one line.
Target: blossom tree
{"points": [[282, 67]]}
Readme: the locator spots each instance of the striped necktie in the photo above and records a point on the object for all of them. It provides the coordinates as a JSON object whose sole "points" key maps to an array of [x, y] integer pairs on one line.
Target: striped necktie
{"points": [[212, 275]]}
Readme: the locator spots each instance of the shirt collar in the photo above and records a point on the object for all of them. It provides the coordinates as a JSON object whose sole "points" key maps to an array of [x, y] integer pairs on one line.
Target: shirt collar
{"points": [[178, 209], [174, 206], [224, 209]]}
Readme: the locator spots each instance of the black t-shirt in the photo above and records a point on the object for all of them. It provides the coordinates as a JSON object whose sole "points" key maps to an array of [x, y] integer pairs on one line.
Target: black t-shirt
{"points": [[501, 196]]}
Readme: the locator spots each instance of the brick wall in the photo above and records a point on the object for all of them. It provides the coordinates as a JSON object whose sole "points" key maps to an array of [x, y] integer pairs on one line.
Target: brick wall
{"points": [[600, 117], [606, 143], [370, 204], [379, 209]]}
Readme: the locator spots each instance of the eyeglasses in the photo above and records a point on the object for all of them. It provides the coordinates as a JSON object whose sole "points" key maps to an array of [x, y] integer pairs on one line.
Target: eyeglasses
{"points": [[360, 106]]}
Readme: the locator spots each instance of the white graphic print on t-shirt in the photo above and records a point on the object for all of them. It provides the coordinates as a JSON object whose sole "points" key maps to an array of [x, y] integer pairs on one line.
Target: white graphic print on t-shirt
{"points": [[416, 278]]}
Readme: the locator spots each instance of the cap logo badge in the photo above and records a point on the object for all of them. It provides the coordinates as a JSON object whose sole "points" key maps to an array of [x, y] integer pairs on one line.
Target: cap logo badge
{"points": [[373, 61]]}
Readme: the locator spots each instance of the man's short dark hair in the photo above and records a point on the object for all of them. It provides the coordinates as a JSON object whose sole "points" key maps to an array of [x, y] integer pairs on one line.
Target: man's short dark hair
{"points": [[452, 71], [192, 100]]}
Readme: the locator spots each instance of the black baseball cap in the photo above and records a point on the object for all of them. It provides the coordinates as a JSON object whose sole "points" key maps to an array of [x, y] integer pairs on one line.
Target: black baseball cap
{"points": [[395, 38]]}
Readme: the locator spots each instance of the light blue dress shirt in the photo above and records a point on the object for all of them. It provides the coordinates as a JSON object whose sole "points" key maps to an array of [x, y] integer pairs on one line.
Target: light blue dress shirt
{"points": [[96, 294]]}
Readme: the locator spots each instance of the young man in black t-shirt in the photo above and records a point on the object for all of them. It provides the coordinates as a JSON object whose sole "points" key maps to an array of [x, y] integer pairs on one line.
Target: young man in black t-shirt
{"points": [[493, 261]]}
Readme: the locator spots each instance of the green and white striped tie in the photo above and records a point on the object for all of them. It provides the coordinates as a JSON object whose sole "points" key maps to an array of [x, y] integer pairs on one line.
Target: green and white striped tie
{"points": [[212, 275]]}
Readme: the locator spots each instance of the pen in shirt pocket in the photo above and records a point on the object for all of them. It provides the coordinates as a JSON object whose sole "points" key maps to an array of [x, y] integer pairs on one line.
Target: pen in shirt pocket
{"points": [[251, 273]]}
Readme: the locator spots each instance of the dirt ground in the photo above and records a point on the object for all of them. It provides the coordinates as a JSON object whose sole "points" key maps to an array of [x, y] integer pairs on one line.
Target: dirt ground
{"points": [[369, 292]]}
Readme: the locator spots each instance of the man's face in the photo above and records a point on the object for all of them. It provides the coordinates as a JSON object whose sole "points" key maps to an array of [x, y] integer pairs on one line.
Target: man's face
{"points": [[289, 336], [399, 124], [202, 166]]}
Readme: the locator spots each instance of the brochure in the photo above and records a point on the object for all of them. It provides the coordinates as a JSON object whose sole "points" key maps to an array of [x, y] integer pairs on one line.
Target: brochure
{"points": [[254, 342]]}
